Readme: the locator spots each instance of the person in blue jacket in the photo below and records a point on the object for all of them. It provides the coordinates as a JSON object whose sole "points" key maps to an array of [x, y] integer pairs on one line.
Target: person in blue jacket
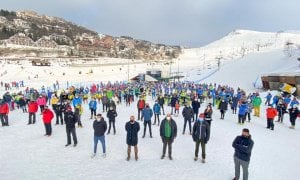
{"points": [[156, 110], [243, 109], [147, 114], [268, 99], [76, 101], [93, 107], [294, 102]]}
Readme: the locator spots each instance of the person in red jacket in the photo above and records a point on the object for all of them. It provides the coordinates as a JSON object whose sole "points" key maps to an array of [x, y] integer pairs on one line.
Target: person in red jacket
{"points": [[4, 110], [47, 118], [271, 113], [32, 109], [140, 106]]}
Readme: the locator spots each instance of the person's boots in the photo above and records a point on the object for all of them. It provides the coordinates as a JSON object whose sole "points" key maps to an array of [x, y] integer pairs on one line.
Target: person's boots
{"points": [[292, 127], [128, 154], [136, 155]]}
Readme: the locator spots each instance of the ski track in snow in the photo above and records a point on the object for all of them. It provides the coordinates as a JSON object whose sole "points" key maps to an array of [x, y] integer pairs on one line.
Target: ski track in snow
{"points": [[27, 154]]}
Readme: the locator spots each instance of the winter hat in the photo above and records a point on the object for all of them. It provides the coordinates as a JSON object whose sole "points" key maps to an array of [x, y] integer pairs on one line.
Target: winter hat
{"points": [[69, 108], [201, 115], [270, 105]]}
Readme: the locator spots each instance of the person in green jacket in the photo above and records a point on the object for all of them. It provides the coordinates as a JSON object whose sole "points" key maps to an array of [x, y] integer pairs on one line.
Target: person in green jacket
{"points": [[256, 105]]}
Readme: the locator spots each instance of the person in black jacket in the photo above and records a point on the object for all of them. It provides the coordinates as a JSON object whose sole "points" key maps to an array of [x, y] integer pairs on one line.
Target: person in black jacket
{"points": [[70, 121], [196, 106], [201, 134], [187, 114], [294, 113], [23, 104], [208, 114], [243, 147], [161, 102], [223, 108], [174, 99], [132, 128], [168, 132], [111, 115], [58, 109], [100, 127]]}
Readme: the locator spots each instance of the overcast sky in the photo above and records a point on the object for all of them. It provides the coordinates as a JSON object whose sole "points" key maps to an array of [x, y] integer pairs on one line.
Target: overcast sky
{"points": [[190, 23]]}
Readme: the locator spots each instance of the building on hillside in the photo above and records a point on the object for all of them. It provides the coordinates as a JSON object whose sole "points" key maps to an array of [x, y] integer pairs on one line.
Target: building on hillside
{"points": [[21, 23], [3, 20], [276, 81], [20, 39], [155, 73], [46, 42]]}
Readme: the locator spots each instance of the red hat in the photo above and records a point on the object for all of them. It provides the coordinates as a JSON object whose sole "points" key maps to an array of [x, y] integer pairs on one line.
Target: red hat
{"points": [[201, 115], [69, 108]]}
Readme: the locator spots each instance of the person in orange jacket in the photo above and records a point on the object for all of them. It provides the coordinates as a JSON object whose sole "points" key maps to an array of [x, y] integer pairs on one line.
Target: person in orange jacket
{"points": [[4, 110], [177, 106], [47, 118], [271, 113]]}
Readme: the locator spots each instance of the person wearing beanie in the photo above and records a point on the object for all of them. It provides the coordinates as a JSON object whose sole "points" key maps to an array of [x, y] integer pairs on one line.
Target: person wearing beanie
{"points": [[243, 146], [271, 113], [201, 135]]}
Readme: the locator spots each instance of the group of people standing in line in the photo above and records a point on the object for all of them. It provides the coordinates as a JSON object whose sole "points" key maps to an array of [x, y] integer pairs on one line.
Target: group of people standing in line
{"points": [[68, 111]]}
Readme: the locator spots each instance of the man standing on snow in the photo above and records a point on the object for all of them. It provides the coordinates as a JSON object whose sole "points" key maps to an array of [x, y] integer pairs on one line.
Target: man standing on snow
{"points": [[132, 128], [47, 118], [32, 109], [147, 114], [187, 114], [243, 147], [201, 134], [196, 106], [168, 132], [4, 110], [294, 114], [140, 106], [70, 121], [100, 127], [271, 113]]}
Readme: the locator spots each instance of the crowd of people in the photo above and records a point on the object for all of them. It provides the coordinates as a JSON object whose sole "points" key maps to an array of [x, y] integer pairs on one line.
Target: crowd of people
{"points": [[66, 106]]}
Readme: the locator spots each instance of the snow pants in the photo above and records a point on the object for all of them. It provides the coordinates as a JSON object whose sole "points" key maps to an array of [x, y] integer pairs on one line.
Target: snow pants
{"points": [[245, 165]]}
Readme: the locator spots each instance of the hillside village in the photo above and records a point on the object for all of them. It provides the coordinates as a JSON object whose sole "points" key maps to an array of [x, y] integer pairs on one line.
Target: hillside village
{"points": [[28, 34]]}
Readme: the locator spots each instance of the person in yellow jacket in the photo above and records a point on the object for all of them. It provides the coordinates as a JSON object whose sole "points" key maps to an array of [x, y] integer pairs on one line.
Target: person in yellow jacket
{"points": [[54, 100], [78, 113]]}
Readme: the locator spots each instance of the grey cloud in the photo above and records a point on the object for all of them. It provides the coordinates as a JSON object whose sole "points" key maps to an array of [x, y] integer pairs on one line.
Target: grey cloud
{"points": [[184, 22]]}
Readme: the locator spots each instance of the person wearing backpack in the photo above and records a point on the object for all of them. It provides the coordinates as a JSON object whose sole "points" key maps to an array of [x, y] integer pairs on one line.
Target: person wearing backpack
{"points": [[70, 121]]}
